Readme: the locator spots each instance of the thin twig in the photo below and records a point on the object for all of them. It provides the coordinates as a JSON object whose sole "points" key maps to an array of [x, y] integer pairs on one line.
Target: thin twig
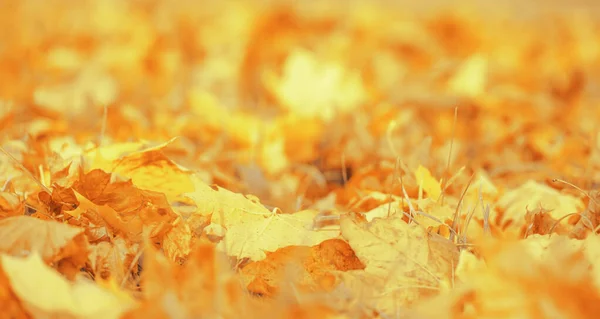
{"points": [[554, 180], [456, 212], [565, 216], [452, 139]]}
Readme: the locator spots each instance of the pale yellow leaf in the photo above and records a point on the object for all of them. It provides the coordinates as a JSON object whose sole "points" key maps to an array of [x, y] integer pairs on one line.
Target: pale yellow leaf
{"points": [[429, 184], [317, 89], [249, 228], [403, 262], [253, 237], [470, 79], [45, 293], [533, 195]]}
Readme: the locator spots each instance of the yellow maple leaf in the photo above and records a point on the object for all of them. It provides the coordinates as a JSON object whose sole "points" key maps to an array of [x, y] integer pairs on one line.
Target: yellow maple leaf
{"points": [[253, 237], [314, 89], [273, 157], [147, 167], [426, 181], [249, 228]]}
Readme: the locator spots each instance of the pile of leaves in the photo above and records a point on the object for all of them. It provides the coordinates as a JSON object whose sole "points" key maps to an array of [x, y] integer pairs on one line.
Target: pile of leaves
{"points": [[251, 159]]}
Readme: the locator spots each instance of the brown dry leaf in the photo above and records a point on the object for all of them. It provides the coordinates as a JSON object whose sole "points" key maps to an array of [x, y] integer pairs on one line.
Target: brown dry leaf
{"points": [[270, 275], [103, 215], [125, 208], [61, 245], [206, 286], [61, 199], [403, 262], [540, 222], [311, 268], [135, 223], [44, 293]]}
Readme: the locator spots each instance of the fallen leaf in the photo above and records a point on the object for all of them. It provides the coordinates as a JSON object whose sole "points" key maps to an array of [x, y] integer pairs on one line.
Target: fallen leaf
{"points": [[318, 268], [10, 205], [255, 235], [426, 181], [112, 260], [123, 207], [148, 168], [60, 244], [44, 292], [403, 262], [551, 270], [314, 89], [204, 285], [470, 79], [250, 228], [178, 241], [533, 195]]}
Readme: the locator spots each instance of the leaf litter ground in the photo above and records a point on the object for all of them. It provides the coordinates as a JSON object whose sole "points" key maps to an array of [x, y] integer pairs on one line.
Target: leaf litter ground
{"points": [[298, 160]]}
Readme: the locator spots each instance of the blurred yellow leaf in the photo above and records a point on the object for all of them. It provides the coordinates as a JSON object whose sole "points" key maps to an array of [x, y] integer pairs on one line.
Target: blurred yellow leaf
{"points": [[45, 293], [550, 271], [316, 89], [470, 79], [429, 184], [92, 85]]}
